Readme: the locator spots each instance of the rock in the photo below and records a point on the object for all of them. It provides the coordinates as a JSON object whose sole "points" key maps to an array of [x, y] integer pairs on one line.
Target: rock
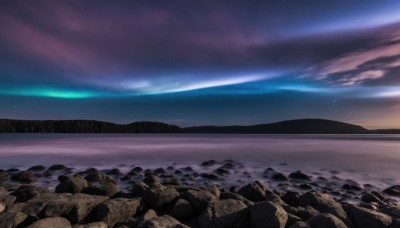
{"points": [[323, 203], [393, 191], [352, 186], [74, 184], [326, 220], [149, 215], [138, 189], [369, 197], [37, 168], [93, 225], [199, 199], [4, 176], [267, 214], [363, 217], [292, 219], [255, 191], [210, 176], [2, 207], [172, 181], [102, 189], [95, 176], [182, 209], [73, 207], [300, 225], [291, 198], [115, 172], [231, 195], [24, 177], [279, 177], [51, 222], [299, 176], [11, 220], [7, 200], [117, 210], [209, 163], [164, 221], [224, 214], [158, 195], [24, 193], [57, 167]]}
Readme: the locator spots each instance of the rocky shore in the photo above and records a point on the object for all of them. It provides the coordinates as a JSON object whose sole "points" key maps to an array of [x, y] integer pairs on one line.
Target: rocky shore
{"points": [[182, 197]]}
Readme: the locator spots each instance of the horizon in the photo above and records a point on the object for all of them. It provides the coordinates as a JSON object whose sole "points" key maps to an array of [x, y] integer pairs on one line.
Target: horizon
{"points": [[193, 63]]}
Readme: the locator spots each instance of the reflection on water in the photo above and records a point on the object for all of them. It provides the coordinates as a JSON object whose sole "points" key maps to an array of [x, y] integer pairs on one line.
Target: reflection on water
{"points": [[367, 158]]}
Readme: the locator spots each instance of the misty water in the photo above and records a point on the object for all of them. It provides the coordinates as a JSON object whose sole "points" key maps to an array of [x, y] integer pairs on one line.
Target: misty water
{"points": [[368, 159]]}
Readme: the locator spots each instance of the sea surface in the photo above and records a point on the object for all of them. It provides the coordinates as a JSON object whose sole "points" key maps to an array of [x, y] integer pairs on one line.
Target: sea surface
{"points": [[367, 159]]}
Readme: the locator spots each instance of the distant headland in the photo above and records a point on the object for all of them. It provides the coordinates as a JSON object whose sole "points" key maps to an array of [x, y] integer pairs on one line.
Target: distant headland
{"points": [[299, 126]]}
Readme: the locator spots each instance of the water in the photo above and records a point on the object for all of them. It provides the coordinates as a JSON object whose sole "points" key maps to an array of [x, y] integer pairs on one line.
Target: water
{"points": [[368, 159]]}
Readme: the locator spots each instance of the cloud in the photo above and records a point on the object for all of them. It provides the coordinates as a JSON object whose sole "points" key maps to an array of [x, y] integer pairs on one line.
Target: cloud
{"points": [[366, 64]]}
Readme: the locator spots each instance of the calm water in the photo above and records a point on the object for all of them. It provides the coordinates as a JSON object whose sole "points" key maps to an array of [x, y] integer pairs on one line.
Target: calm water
{"points": [[366, 158]]}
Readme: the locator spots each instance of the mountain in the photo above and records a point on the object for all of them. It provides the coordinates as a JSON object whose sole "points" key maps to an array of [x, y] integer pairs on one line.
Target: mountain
{"points": [[301, 126], [83, 126]]}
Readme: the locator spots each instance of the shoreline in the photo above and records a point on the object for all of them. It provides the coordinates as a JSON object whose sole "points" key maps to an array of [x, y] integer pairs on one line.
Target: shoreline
{"points": [[181, 196]]}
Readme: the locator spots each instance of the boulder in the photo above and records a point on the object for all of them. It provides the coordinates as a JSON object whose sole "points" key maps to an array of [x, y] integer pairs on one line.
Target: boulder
{"points": [[224, 214], [326, 220], [57, 167], [74, 207], [182, 209], [24, 193], [106, 188], [117, 210], [24, 177], [95, 176], [199, 199], [291, 198], [267, 214], [231, 195], [279, 177], [158, 195], [363, 217], [300, 225], [299, 175], [255, 191], [37, 168], [51, 222], [7, 200], [393, 191], [11, 220], [369, 198], [164, 221], [72, 184], [322, 203], [92, 225]]}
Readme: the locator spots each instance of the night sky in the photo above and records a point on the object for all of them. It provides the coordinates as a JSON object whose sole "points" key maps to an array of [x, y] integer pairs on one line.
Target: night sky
{"points": [[201, 62]]}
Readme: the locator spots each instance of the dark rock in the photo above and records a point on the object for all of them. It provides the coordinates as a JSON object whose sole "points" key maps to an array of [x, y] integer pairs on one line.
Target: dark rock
{"points": [[369, 197], [187, 169], [151, 179], [199, 199], [299, 176], [57, 167], [326, 220], [363, 217], [117, 210], [94, 225], [51, 222], [182, 209], [106, 188], [279, 177], [209, 163], [115, 172], [24, 177], [74, 184], [7, 200], [255, 191], [164, 221], [221, 171], [137, 169], [11, 220], [37, 168], [267, 214], [158, 195], [96, 176], [138, 189], [352, 186], [323, 203], [305, 187], [231, 195], [210, 176], [24, 193], [292, 219], [73, 207], [4, 176], [12, 170], [393, 191], [291, 198], [224, 214], [172, 181], [300, 225]]}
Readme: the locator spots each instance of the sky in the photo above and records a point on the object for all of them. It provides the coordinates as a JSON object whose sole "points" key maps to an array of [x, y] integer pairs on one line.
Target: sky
{"points": [[192, 62]]}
